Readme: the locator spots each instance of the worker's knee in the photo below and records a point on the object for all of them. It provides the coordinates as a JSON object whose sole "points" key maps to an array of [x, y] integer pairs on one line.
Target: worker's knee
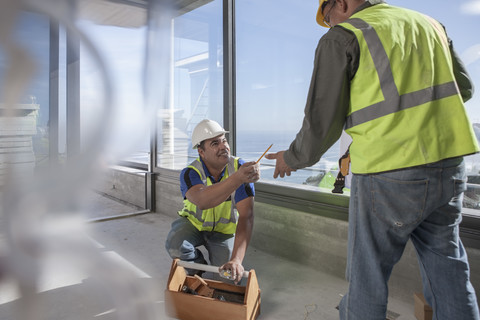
{"points": [[187, 251], [183, 250]]}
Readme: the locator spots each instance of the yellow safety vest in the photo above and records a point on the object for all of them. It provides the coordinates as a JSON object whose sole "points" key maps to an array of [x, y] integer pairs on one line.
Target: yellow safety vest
{"points": [[405, 106], [222, 218]]}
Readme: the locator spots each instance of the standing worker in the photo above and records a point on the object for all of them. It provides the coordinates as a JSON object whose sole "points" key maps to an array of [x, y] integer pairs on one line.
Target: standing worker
{"points": [[391, 78], [218, 195]]}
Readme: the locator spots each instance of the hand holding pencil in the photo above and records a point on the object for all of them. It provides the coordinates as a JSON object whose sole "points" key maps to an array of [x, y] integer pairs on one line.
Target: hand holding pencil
{"points": [[251, 170]]}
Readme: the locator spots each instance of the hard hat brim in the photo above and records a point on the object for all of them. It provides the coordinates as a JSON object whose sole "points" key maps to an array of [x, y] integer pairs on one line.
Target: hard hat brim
{"points": [[320, 16]]}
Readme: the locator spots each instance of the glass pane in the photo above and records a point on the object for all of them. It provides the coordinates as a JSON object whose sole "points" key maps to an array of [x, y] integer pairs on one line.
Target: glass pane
{"points": [[275, 44], [196, 83], [24, 98], [123, 50]]}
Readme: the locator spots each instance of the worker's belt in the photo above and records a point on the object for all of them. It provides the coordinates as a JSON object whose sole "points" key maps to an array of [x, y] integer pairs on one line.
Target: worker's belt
{"points": [[344, 165]]}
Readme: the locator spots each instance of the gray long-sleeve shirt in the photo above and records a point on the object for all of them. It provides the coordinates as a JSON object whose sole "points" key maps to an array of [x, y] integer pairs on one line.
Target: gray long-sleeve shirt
{"points": [[336, 62]]}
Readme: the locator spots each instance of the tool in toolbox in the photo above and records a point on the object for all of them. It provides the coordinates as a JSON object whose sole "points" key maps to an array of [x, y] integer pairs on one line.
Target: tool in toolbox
{"points": [[208, 268], [199, 287]]}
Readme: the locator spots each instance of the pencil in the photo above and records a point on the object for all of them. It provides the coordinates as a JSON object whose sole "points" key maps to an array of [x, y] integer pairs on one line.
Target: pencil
{"points": [[264, 153]]}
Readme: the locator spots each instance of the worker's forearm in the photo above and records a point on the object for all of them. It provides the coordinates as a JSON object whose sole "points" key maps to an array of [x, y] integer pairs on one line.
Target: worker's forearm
{"points": [[242, 238], [326, 107], [213, 195]]}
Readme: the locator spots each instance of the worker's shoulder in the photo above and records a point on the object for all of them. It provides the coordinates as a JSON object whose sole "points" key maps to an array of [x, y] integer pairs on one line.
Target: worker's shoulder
{"points": [[340, 35], [188, 173]]}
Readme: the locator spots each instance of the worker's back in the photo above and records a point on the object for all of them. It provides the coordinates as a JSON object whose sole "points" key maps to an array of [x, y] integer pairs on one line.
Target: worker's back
{"points": [[405, 105]]}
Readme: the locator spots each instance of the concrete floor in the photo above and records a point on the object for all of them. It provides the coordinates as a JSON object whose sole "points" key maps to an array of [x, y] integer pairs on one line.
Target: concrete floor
{"points": [[138, 271]]}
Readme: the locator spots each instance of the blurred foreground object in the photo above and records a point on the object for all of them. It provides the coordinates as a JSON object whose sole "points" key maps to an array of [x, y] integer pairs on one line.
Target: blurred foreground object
{"points": [[43, 234]]}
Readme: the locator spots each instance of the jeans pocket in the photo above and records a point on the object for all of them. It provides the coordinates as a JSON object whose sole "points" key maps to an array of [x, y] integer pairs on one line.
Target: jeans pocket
{"points": [[399, 203], [459, 186]]}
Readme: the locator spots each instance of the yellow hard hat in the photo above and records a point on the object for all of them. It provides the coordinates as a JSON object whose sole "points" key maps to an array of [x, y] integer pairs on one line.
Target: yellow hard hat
{"points": [[320, 16]]}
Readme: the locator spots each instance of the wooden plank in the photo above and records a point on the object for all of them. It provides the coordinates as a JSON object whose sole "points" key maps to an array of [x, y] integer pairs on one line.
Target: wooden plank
{"points": [[185, 306], [176, 278], [252, 296], [202, 288], [226, 286]]}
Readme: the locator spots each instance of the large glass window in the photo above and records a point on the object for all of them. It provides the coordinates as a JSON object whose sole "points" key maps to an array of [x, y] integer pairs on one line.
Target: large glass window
{"points": [[196, 83], [123, 50], [24, 98], [275, 47]]}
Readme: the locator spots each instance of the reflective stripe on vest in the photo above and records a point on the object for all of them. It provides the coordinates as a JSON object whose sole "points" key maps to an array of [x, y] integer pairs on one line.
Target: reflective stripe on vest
{"points": [[393, 102], [222, 218]]}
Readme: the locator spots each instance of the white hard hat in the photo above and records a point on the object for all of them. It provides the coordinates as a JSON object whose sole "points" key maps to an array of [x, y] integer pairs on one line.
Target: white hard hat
{"points": [[206, 129]]}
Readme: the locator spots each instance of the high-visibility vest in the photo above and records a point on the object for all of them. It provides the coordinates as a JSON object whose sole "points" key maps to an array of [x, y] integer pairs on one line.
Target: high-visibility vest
{"points": [[222, 218], [405, 106]]}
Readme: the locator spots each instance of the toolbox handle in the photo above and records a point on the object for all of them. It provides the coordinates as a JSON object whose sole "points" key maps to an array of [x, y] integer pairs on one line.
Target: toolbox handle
{"points": [[208, 268]]}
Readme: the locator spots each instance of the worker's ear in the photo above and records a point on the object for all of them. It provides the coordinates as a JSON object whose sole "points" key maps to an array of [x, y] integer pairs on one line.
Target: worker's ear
{"points": [[343, 6], [201, 152]]}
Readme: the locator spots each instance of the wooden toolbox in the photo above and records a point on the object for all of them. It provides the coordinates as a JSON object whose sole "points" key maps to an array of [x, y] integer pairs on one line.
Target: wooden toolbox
{"points": [[422, 310], [228, 301]]}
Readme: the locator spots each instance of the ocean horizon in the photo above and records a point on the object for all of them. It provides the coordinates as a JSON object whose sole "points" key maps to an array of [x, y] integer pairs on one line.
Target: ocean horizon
{"points": [[251, 145]]}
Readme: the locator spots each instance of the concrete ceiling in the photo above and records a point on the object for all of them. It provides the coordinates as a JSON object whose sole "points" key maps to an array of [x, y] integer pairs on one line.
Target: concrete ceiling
{"points": [[127, 13]]}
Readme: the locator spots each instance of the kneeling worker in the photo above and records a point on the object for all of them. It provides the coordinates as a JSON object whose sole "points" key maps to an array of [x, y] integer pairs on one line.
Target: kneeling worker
{"points": [[218, 195]]}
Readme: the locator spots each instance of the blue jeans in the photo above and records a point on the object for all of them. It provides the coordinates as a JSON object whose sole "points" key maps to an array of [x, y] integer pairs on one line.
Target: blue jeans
{"points": [[422, 204], [183, 240]]}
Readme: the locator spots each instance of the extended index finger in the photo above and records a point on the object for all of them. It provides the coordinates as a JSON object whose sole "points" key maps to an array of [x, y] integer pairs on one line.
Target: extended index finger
{"points": [[271, 155]]}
